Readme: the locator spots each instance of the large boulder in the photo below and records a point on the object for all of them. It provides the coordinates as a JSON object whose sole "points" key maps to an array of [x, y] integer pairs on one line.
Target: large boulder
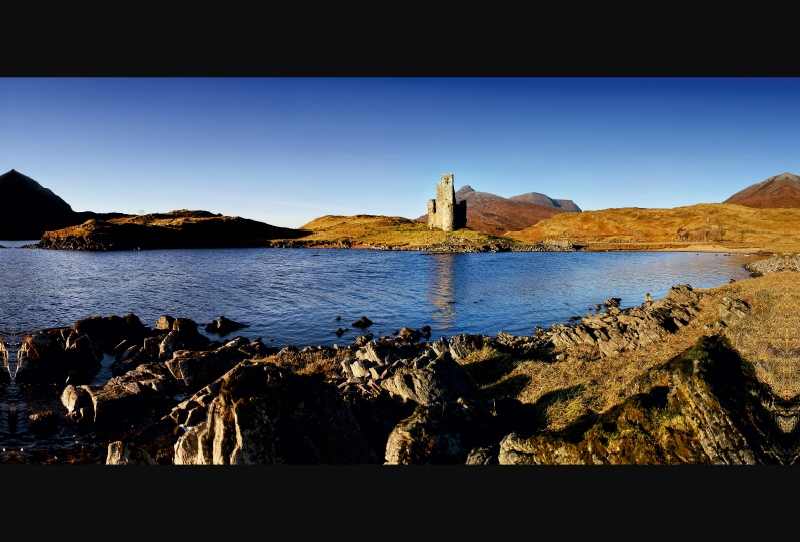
{"points": [[439, 380], [459, 432], [53, 355], [144, 392], [183, 336], [200, 368], [121, 453], [130, 359], [262, 414], [196, 369], [108, 332]]}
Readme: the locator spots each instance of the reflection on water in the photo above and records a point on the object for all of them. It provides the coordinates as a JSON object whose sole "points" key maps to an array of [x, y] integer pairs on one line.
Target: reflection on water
{"points": [[441, 292]]}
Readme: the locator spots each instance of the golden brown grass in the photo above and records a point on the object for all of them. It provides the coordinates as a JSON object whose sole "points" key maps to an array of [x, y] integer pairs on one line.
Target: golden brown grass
{"points": [[175, 219], [327, 362], [774, 230], [768, 337], [386, 230]]}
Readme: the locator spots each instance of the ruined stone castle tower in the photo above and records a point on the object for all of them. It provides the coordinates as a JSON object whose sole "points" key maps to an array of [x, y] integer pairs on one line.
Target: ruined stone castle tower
{"points": [[444, 212]]}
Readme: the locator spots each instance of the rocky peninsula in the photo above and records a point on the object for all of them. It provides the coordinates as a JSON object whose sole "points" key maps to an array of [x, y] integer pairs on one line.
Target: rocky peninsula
{"points": [[700, 376], [176, 229]]}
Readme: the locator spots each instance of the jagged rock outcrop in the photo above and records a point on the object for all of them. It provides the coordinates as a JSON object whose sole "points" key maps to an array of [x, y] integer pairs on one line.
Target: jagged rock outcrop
{"points": [[429, 381], [120, 453], [52, 356], [618, 330], [108, 332], [712, 410], [196, 369], [262, 414], [458, 432], [138, 394], [362, 322], [182, 336]]}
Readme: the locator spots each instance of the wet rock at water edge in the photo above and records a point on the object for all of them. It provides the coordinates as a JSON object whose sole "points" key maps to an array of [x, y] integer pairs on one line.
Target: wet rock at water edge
{"points": [[138, 394], [108, 332], [362, 340], [164, 322], [183, 336], [362, 322], [223, 326], [53, 355]]}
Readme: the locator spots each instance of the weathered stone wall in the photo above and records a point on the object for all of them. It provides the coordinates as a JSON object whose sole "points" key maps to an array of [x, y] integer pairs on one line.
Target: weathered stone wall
{"points": [[432, 216], [445, 201]]}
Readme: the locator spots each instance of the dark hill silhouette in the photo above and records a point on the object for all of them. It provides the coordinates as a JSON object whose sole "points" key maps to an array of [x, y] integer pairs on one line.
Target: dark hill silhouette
{"points": [[778, 192], [31, 209], [496, 215]]}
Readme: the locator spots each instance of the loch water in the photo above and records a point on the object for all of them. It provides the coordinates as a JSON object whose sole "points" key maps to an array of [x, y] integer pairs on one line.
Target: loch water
{"points": [[294, 296]]}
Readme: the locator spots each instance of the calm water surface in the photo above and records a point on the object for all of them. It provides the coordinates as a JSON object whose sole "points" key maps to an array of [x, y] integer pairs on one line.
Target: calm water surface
{"points": [[294, 296]]}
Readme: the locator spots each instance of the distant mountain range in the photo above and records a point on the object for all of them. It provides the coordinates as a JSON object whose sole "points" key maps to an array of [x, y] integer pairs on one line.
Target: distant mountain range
{"points": [[496, 215], [778, 192]]}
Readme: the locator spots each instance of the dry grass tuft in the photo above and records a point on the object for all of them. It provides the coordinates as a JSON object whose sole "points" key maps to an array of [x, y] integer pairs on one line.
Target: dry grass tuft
{"points": [[327, 362]]}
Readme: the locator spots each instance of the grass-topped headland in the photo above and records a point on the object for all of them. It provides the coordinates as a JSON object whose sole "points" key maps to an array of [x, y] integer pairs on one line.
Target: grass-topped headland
{"points": [[369, 231], [176, 229]]}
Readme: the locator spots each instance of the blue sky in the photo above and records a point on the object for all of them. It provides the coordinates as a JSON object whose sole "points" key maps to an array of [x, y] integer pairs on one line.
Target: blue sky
{"points": [[285, 151]]}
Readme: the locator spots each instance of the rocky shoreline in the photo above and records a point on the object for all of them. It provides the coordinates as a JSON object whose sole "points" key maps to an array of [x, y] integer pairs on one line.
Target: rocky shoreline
{"points": [[177, 397], [774, 264], [449, 246]]}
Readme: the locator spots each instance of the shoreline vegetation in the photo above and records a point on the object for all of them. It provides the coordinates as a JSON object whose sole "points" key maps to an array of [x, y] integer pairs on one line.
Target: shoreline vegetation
{"points": [[767, 231], [698, 377]]}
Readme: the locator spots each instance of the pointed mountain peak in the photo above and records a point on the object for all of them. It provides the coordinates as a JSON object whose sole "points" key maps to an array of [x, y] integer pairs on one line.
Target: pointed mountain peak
{"points": [[466, 189], [780, 191]]}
